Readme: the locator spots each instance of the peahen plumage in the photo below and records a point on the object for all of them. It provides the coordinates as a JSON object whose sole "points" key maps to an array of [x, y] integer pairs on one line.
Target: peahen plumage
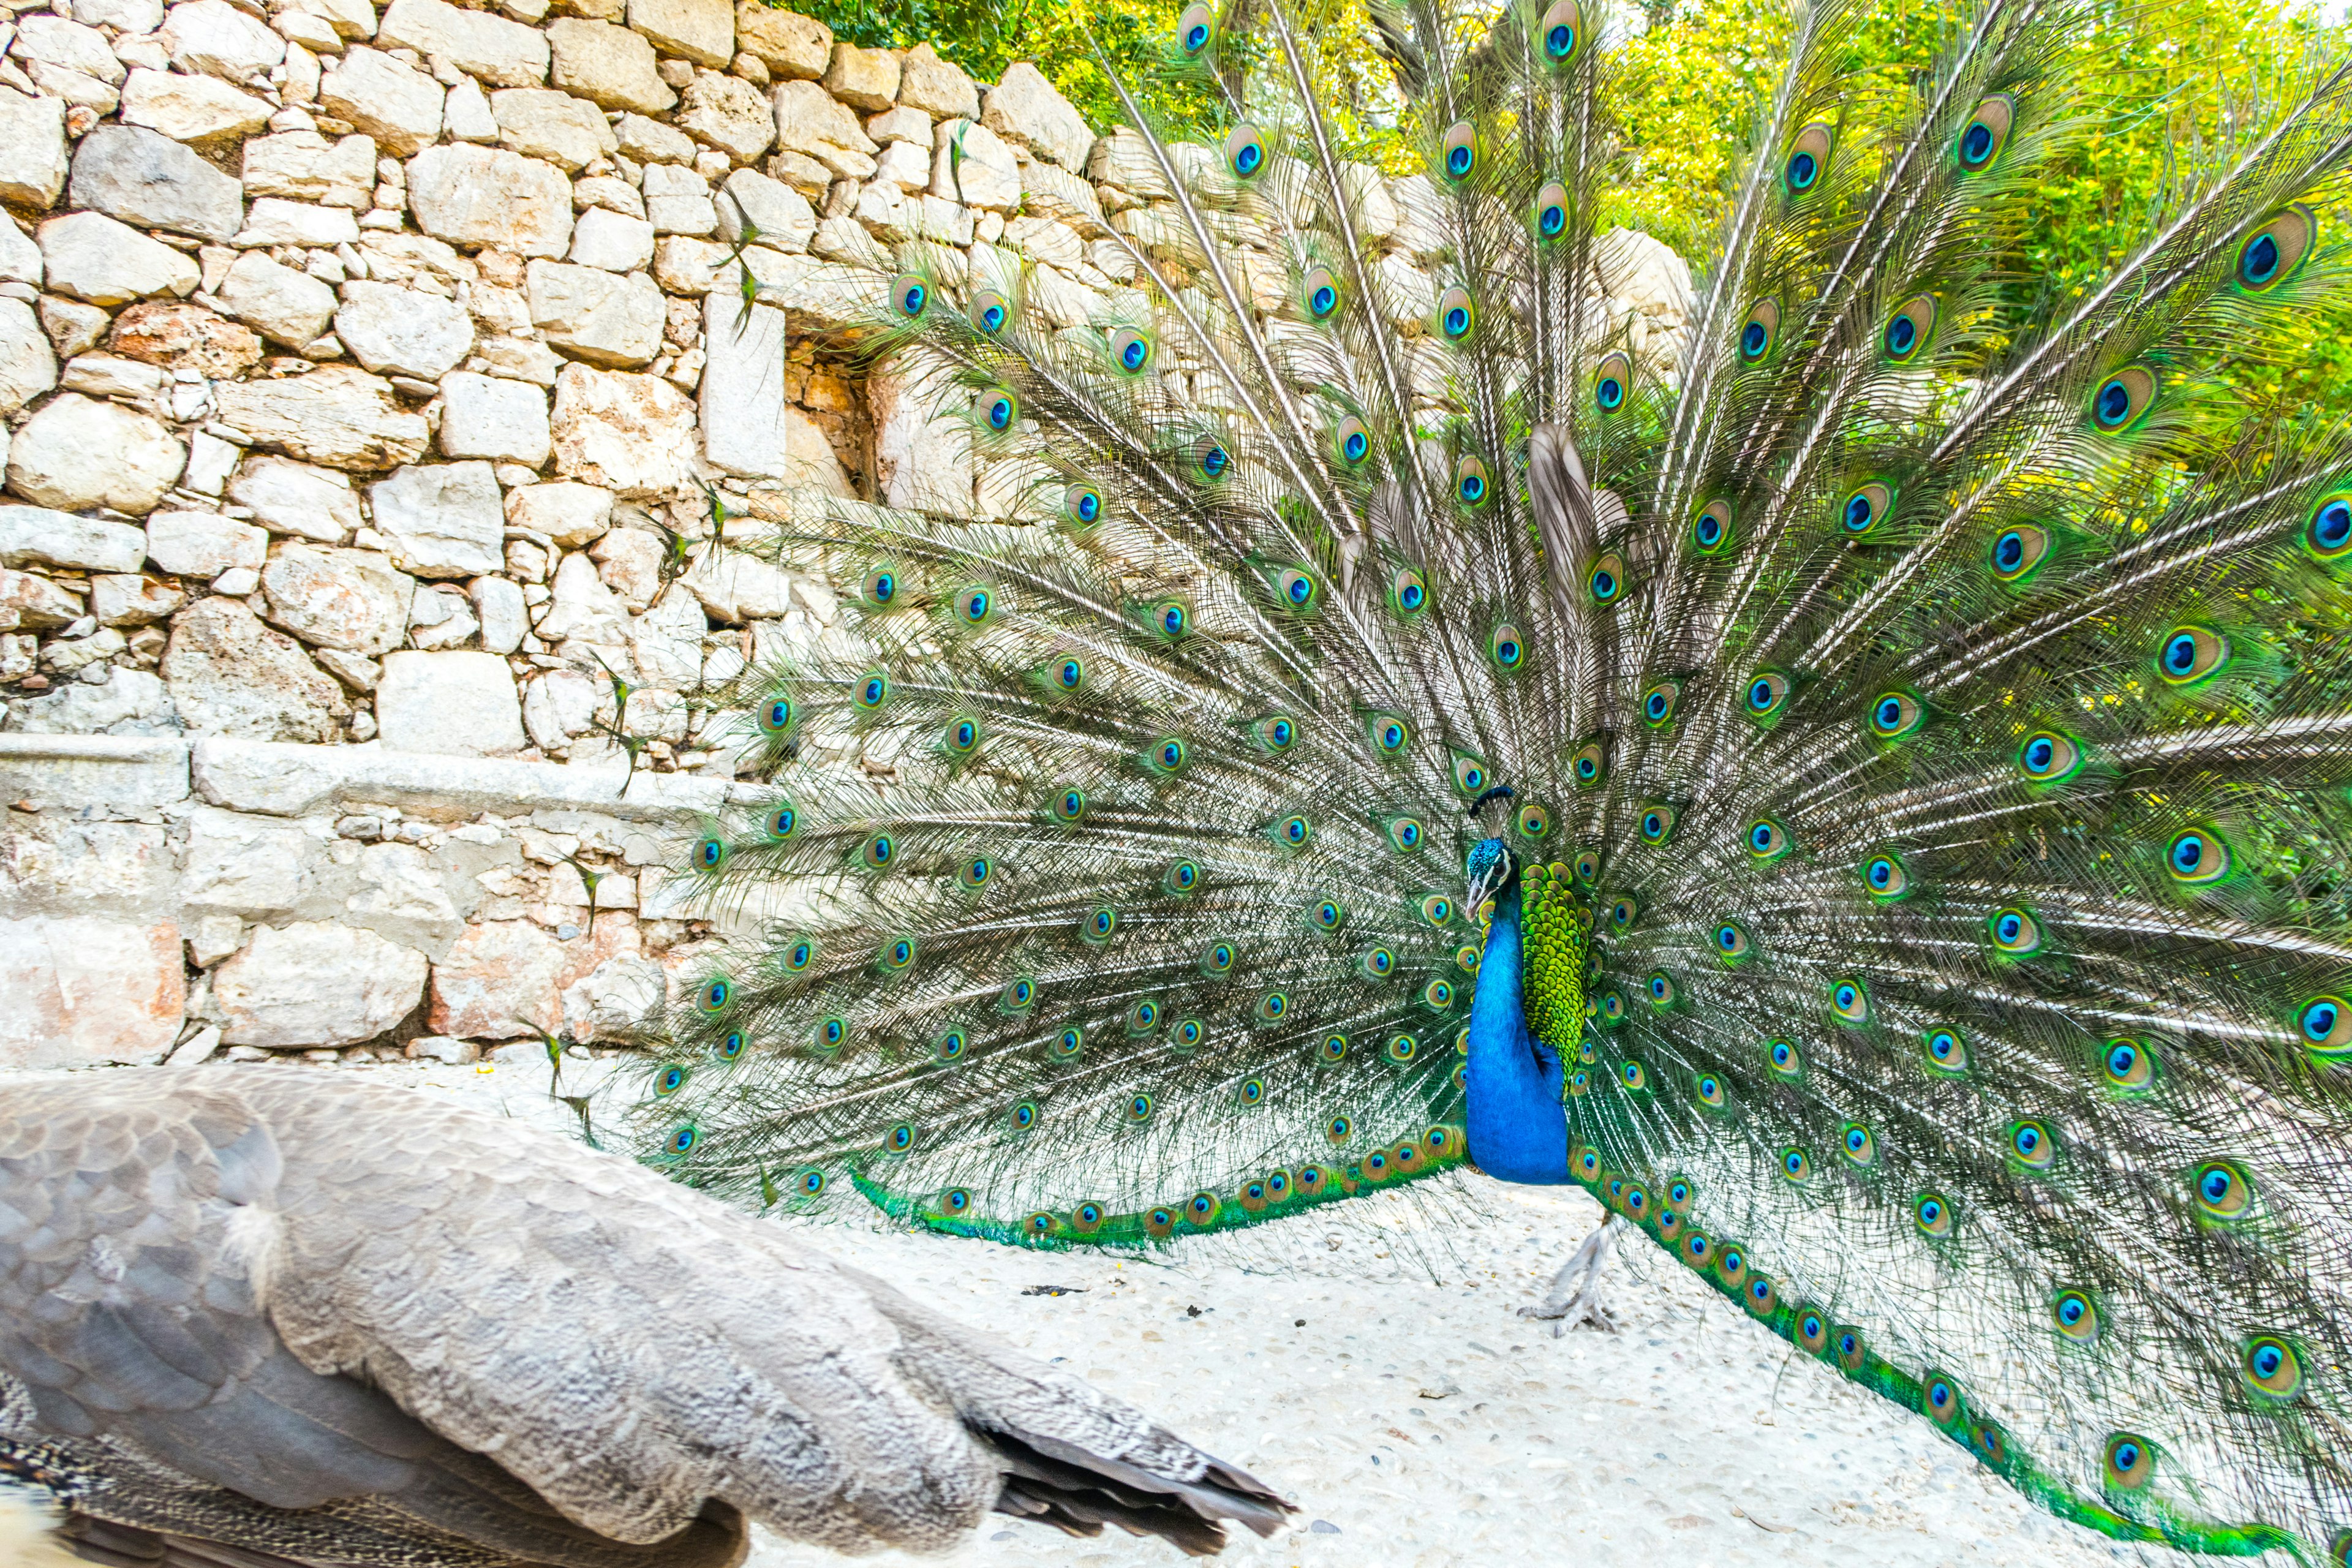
{"points": [[1872, 811]]}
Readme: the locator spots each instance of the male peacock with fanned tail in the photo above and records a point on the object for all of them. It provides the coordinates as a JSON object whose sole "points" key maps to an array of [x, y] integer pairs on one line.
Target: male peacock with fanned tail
{"points": [[1871, 809]]}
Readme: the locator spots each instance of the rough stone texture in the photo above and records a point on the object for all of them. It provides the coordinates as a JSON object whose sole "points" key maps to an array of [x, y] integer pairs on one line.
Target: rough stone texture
{"points": [[179, 336], [32, 149], [493, 418], [497, 975], [651, 141], [937, 86], [457, 704], [568, 514], [304, 166], [809, 121], [338, 415], [729, 114], [1030, 109], [702, 31], [399, 107], [275, 221], [600, 317], [27, 600], [677, 200], [76, 452], [972, 164], [499, 606], [213, 38], [612, 241], [749, 425], [863, 78], [35, 536], [230, 675], [352, 600], [406, 332], [152, 181], [93, 257], [203, 544], [443, 520], [611, 67], [297, 499], [191, 108], [484, 197], [311, 983], [289, 307], [80, 991], [632, 435], [541, 123], [28, 366], [922, 452], [502, 53], [780, 216], [20, 258]]}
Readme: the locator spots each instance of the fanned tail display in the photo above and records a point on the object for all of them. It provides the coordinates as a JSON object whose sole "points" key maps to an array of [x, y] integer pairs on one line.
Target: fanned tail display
{"points": [[1871, 809]]}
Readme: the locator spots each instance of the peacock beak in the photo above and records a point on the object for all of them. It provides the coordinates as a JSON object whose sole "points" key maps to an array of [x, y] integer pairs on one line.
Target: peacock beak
{"points": [[1490, 880]]}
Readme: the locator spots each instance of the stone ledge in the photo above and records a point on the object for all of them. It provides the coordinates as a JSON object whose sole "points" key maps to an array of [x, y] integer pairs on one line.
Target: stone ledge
{"points": [[124, 773], [282, 779]]}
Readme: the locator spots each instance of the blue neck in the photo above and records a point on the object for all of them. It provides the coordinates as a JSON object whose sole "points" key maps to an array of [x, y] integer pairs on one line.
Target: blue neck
{"points": [[1518, 1130]]}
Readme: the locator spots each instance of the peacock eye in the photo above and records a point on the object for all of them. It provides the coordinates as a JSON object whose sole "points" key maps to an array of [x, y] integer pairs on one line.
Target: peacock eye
{"points": [[1768, 693], [1855, 1142], [1587, 867], [1865, 509], [964, 736], [976, 604], [2271, 1368], [2222, 1190], [1457, 151], [1613, 382], [1408, 592], [1277, 733], [1986, 132], [1457, 315], [1083, 505], [2326, 1025], [2198, 857], [2329, 531], [1551, 211], [881, 586], [987, 311], [873, 690], [974, 873], [2123, 398], [951, 1045], [910, 294], [1656, 822], [1534, 822], [2047, 757], [776, 716], [1932, 1212], [1352, 438], [1711, 529], [1245, 152], [1809, 157], [781, 823], [1391, 734], [1758, 332], [1606, 579], [1589, 762], [1895, 714], [1214, 460], [1658, 703], [1947, 1053], [2189, 654], [1560, 29], [1885, 878], [2129, 1066], [1195, 28], [799, 955], [1850, 1000], [1908, 328], [1183, 877], [1319, 291], [1130, 350], [1767, 840], [1731, 942], [1472, 486], [1470, 775], [1297, 589]]}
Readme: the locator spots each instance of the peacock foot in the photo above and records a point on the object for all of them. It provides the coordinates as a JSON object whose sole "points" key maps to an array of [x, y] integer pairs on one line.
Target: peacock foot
{"points": [[1574, 1301]]}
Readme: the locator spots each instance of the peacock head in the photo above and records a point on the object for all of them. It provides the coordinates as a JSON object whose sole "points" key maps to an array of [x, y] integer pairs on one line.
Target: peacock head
{"points": [[1491, 863]]}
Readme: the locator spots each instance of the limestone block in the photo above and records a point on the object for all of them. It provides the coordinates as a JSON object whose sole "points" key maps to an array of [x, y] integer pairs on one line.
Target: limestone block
{"points": [[79, 991], [67, 45], [729, 114], [406, 332], [176, 335], [35, 536], [281, 303], [1031, 110], [203, 544], [28, 367], [316, 985], [128, 599], [214, 37], [74, 87], [502, 53], [651, 141], [541, 123], [338, 415], [922, 451], [352, 20], [863, 78], [125, 703], [497, 974], [304, 166], [465, 113], [27, 600], [443, 520], [603, 318], [457, 704], [735, 587], [352, 600], [610, 241], [152, 181], [630, 434], [686, 265], [440, 618], [906, 165], [499, 606], [609, 192], [702, 31], [76, 452], [520, 359], [134, 16], [91, 256], [104, 376], [793, 46], [491, 197], [629, 560], [32, 149], [244, 868], [972, 164], [495, 418], [757, 210], [611, 67], [569, 513], [677, 200], [191, 108], [749, 425], [581, 606], [399, 107], [20, 258], [297, 499], [230, 675], [558, 705], [811, 121], [275, 222], [937, 86]]}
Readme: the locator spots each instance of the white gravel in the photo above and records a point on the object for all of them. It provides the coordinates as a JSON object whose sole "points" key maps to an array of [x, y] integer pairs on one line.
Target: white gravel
{"points": [[1369, 1363]]}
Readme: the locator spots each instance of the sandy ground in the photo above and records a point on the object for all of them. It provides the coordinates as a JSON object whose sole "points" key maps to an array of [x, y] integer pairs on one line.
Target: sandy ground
{"points": [[1378, 1375]]}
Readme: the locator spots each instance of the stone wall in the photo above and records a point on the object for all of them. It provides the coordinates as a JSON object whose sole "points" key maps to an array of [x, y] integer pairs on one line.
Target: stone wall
{"points": [[370, 379]]}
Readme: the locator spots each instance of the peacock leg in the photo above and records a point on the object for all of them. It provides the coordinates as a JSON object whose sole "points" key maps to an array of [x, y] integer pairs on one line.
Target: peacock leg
{"points": [[1574, 1299]]}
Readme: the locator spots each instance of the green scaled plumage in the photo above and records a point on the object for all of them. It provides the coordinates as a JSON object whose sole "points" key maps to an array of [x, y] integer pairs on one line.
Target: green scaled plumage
{"points": [[1926, 716]]}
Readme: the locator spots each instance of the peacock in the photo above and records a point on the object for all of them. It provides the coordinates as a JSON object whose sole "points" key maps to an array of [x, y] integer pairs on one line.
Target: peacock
{"points": [[1869, 806], [252, 1319]]}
